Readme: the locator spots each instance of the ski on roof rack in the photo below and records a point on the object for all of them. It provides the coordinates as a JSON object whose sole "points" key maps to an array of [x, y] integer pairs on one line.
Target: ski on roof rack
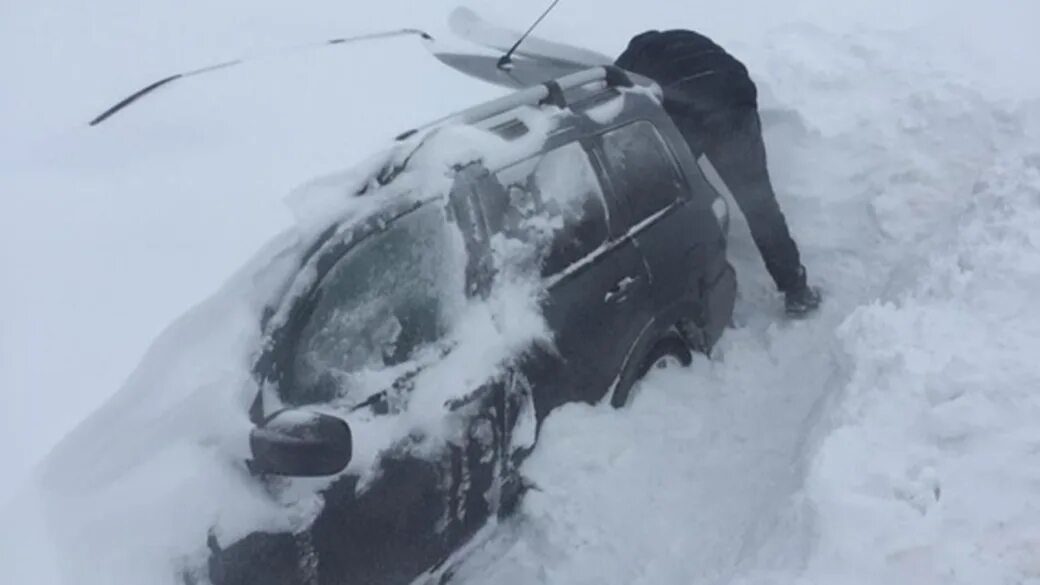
{"points": [[551, 92]]}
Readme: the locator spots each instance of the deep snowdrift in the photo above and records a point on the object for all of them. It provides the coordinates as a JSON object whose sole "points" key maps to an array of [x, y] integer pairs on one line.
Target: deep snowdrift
{"points": [[161, 464], [889, 439], [928, 477], [886, 439]]}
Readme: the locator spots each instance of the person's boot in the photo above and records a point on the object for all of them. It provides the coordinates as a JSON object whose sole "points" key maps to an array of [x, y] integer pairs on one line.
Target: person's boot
{"points": [[802, 301]]}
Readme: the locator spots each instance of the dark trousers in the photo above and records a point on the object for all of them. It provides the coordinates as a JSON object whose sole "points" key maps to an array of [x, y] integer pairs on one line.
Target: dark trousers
{"points": [[732, 140]]}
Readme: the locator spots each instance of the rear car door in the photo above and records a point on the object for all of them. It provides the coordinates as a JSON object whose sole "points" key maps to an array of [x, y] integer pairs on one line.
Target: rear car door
{"points": [[645, 176], [595, 279]]}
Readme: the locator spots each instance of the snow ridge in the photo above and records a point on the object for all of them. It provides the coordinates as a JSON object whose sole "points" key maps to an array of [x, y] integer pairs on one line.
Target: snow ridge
{"points": [[853, 447], [927, 479]]}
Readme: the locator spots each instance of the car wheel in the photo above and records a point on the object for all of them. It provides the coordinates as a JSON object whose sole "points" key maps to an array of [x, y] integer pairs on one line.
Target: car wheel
{"points": [[669, 351]]}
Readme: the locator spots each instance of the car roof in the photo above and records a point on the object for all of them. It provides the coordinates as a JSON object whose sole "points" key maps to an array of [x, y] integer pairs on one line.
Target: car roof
{"points": [[570, 98], [561, 92]]}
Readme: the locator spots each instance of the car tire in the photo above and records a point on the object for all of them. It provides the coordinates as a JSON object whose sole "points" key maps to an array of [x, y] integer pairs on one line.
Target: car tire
{"points": [[671, 347]]}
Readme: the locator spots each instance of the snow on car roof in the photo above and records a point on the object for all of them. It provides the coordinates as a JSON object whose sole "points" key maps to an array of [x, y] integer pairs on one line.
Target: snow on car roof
{"points": [[423, 163]]}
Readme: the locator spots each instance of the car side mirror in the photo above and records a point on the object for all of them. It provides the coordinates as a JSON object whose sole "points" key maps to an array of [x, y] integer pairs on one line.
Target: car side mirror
{"points": [[301, 444]]}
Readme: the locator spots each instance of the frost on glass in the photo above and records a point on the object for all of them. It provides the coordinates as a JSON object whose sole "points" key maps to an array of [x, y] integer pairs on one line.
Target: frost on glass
{"points": [[644, 170], [556, 206], [382, 303]]}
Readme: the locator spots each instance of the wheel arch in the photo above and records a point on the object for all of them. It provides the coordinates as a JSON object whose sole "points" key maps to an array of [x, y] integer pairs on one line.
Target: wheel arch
{"points": [[660, 328]]}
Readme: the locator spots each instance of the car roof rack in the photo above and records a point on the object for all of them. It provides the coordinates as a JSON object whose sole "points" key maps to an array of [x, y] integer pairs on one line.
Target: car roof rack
{"points": [[548, 93]]}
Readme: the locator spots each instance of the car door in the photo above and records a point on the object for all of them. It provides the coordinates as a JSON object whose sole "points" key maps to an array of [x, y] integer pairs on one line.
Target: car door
{"points": [[665, 225], [594, 278]]}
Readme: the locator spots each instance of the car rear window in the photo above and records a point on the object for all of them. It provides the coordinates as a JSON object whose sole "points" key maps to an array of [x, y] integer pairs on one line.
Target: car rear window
{"points": [[556, 204], [642, 169]]}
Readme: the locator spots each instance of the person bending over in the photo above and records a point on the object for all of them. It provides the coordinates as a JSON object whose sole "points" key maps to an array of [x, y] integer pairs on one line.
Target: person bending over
{"points": [[710, 96]]}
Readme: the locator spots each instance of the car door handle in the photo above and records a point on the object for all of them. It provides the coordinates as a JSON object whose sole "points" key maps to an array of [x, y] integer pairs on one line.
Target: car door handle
{"points": [[619, 293]]}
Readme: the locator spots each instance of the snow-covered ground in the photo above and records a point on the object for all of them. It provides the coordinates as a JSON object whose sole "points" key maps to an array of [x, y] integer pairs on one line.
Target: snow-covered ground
{"points": [[890, 439]]}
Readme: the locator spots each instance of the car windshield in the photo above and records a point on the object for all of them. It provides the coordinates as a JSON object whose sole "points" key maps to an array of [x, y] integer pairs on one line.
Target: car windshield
{"points": [[378, 306]]}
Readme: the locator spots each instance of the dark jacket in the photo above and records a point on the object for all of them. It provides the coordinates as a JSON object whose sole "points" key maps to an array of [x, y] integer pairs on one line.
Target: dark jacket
{"points": [[713, 101], [698, 76]]}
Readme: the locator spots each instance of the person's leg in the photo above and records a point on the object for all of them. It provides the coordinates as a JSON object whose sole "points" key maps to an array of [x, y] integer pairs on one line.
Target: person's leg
{"points": [[733, 143]]}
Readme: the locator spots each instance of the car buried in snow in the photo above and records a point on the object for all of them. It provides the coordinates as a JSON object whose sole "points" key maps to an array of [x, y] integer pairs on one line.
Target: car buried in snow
{"points": [[592, 195]]}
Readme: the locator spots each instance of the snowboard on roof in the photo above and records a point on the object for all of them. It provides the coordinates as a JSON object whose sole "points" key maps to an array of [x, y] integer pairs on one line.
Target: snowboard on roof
{"points": [[535, 61]]}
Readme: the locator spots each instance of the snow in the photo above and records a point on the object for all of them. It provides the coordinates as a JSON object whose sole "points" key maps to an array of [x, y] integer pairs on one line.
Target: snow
{"points": [[173, 438], [606, 112], [891, 438], [928, 472], [566, 178], [174, 435]]}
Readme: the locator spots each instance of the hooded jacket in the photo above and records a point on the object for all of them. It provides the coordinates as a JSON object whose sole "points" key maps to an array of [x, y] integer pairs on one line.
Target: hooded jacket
{"points": [[698, 76]]}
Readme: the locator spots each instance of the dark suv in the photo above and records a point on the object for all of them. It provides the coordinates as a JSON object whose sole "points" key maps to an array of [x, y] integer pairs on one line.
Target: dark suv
{"points": [[607, 208]]}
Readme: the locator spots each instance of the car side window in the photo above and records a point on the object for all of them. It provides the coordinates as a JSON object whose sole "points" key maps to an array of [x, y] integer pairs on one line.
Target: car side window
{"points": [[642, 169], [386, 299], [556, 204]]}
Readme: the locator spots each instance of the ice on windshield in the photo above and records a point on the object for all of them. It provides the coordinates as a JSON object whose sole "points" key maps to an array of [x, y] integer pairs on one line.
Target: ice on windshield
{"points": [[385, 300]]}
